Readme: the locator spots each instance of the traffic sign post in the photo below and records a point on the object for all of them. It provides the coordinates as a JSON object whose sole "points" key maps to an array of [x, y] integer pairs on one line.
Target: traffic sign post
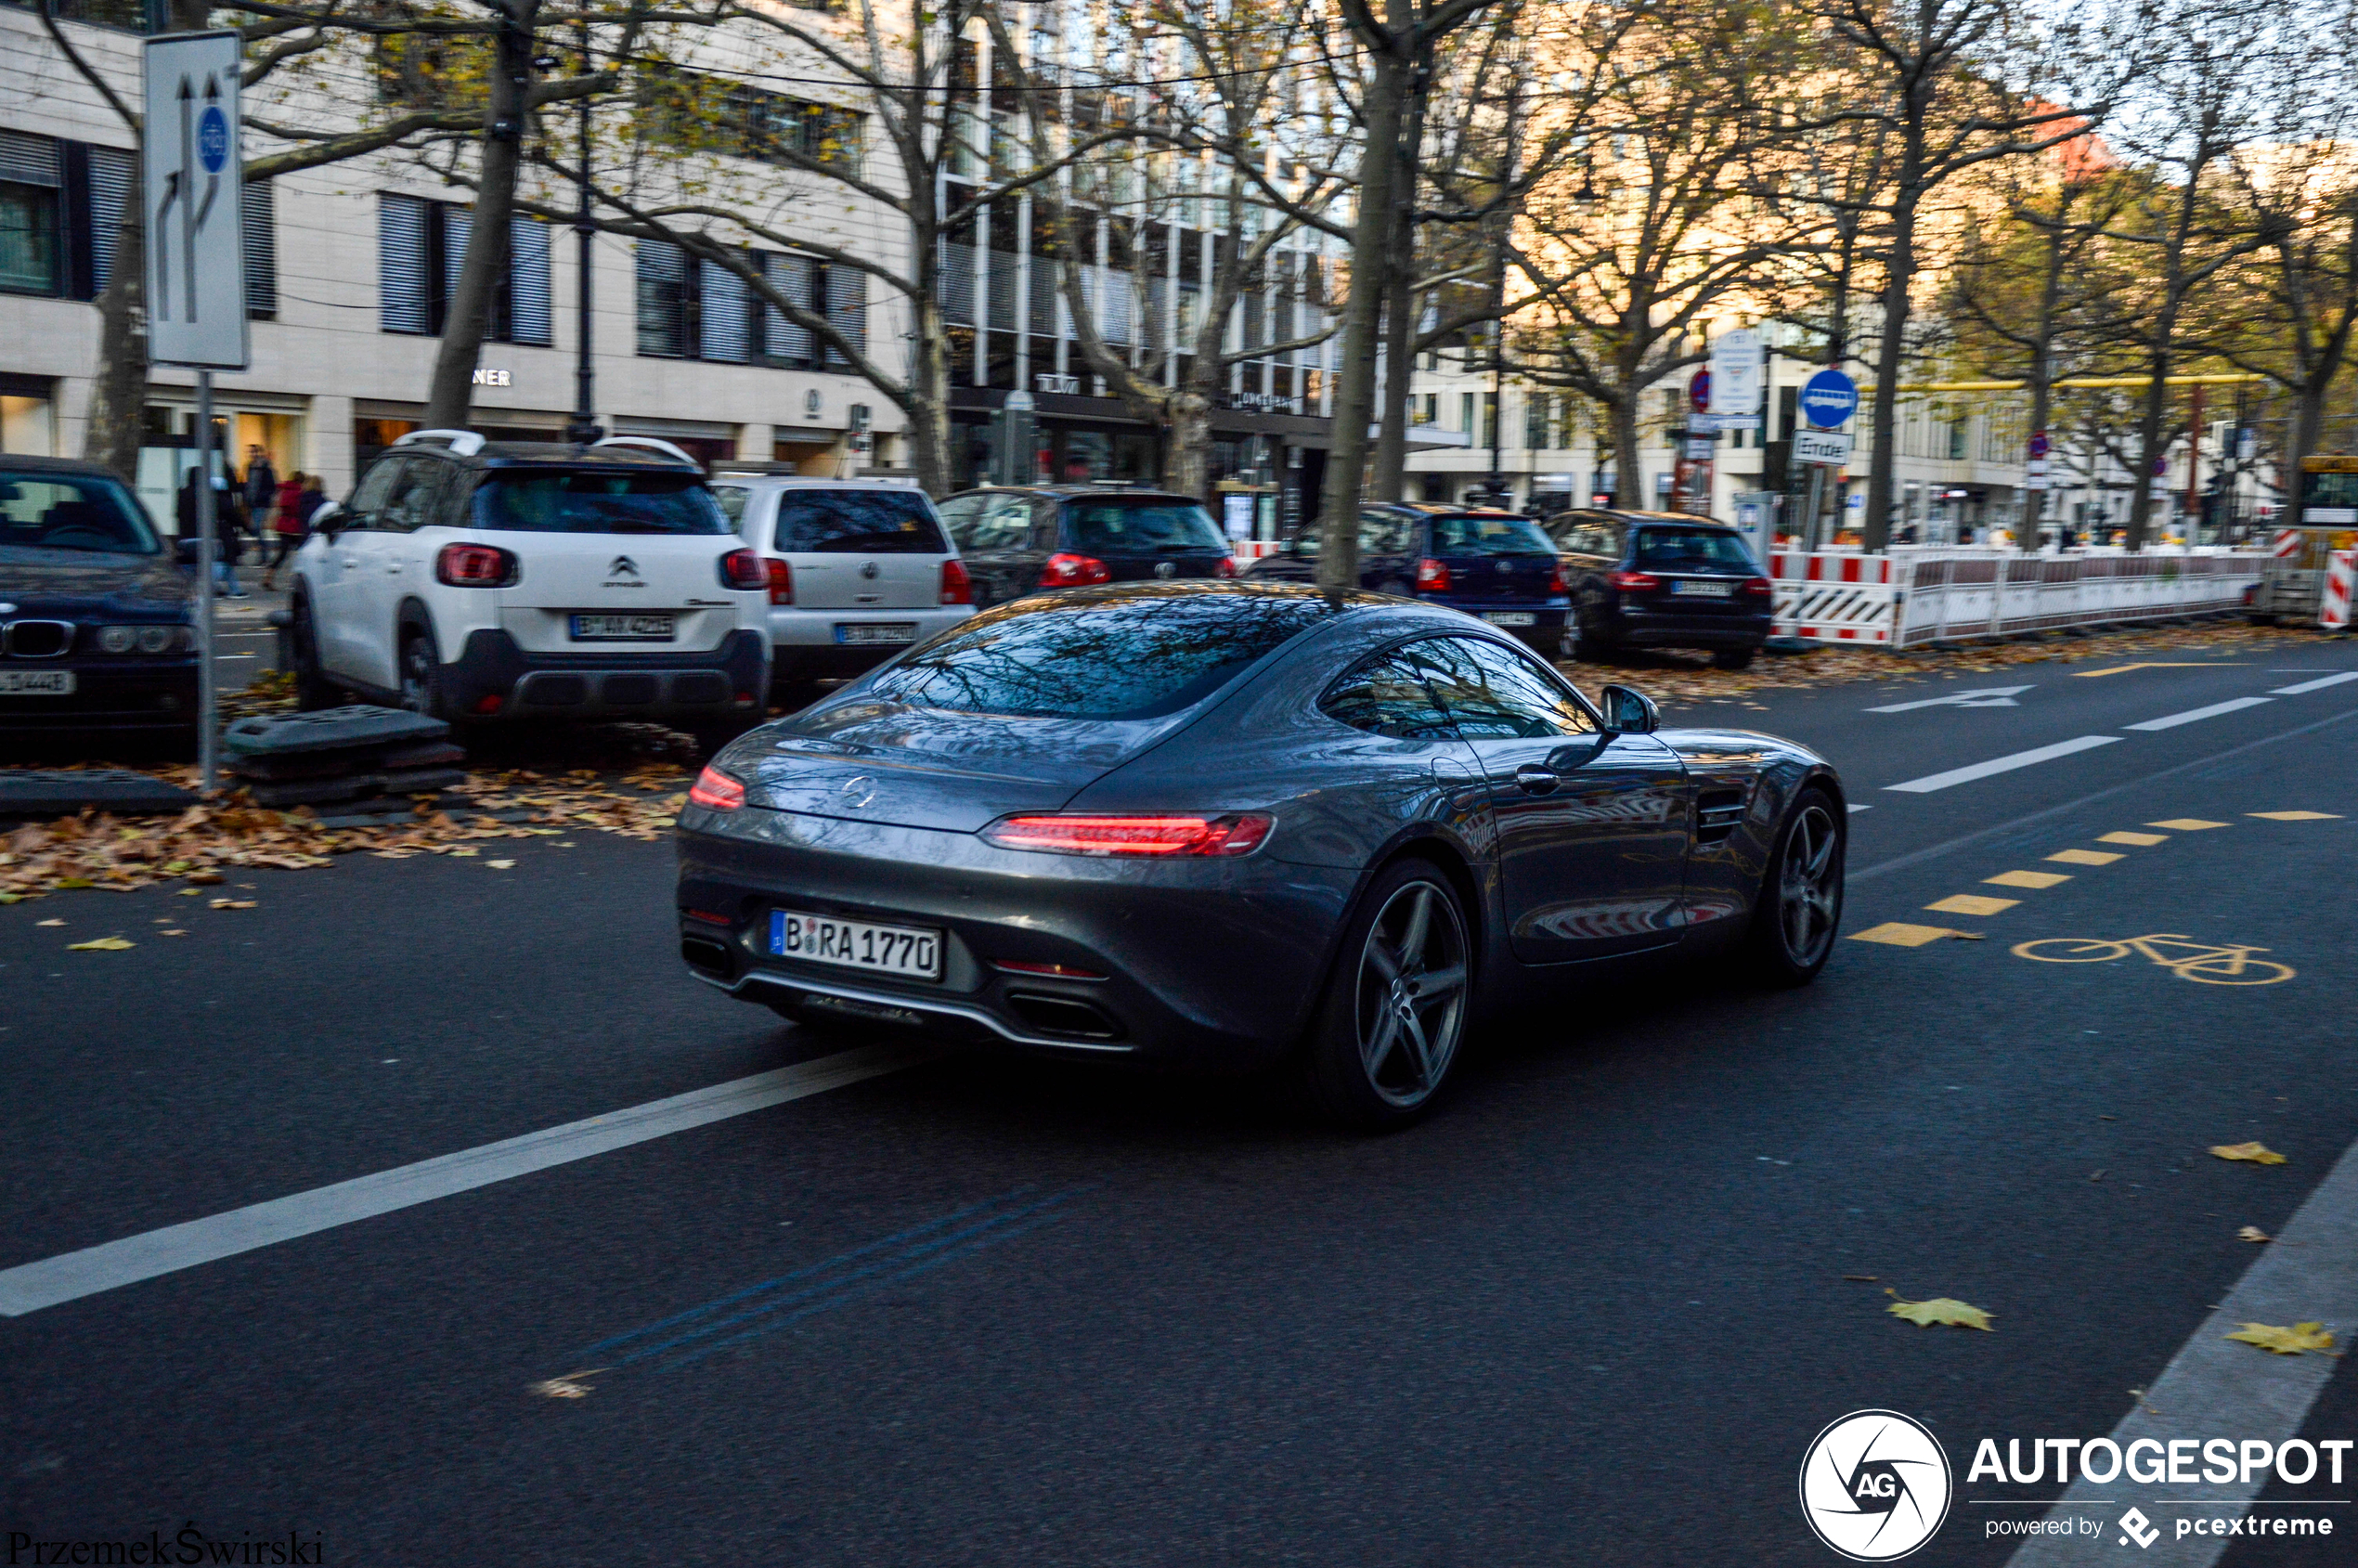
{"points": [[193, 185]]}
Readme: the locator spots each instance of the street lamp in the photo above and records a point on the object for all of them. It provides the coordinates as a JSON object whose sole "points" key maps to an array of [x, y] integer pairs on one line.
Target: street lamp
{"points": [[583, 428]]}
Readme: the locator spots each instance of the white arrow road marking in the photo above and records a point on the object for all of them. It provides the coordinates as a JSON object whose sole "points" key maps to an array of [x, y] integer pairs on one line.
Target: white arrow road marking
{"points": [[1987, 696]]}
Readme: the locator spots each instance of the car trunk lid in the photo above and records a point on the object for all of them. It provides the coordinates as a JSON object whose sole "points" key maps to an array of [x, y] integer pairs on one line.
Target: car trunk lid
{"points": [[643, 577]]}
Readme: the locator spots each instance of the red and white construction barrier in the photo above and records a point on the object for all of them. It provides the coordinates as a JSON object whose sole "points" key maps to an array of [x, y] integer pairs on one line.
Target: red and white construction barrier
{"points": [[2287, 543], [2334, 613], [1919, 596], [1833, 597]]}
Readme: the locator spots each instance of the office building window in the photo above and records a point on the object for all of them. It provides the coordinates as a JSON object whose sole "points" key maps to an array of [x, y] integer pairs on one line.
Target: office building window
{"points": [[32, 216], [699, 309], [421, 245]]}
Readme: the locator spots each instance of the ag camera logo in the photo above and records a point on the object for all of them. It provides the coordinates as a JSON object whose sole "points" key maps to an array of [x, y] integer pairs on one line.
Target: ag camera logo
{"points": [[1875, 1485]]}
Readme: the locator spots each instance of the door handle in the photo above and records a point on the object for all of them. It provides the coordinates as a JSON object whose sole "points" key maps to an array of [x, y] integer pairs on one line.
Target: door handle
{"points": [[1533, 779]]}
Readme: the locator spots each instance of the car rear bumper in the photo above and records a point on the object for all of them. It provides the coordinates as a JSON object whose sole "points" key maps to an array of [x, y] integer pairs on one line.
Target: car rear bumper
{"points": [[1171, 994], [109, 695], [714, 685], [804, 645], [1657, 628]]}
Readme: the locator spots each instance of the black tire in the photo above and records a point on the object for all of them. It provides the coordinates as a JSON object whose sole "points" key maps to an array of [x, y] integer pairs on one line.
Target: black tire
{"points": [[2261, 620], [710, 738], [420, 674], [1381, 1048], [314, 690], [1798, 915], [1733, 658]]}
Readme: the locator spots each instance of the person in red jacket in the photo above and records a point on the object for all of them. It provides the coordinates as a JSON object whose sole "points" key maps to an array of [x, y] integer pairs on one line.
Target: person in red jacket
{"points": [[286, 525]]}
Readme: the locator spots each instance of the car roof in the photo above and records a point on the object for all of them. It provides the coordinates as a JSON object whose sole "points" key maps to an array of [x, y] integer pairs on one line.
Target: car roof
{"points": [[25, 463], [549, 453], [1681, 519], [1438, 509], [763, 473], [1075, 492]]}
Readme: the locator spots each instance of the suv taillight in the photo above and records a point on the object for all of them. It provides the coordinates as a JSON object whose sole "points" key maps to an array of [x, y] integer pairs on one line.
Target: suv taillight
{"points": [[1634, 582], [955, 587], [474, 566], [744, 570], [1556, 583], [1432, 576], [1759, 587], [780, 582], [1065, 569]]}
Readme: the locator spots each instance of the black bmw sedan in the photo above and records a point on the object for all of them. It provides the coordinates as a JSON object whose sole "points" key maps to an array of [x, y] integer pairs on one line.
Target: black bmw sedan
{"points": [[1233, 825], [95, 615]]}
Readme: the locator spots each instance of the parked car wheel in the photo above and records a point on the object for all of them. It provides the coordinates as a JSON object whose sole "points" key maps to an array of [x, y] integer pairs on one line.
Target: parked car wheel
{"points": [[421, 674], [1396, 1002], [1800, 906], [314, 690]]}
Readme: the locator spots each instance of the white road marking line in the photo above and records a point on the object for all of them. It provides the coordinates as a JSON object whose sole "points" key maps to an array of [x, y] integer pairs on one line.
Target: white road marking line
{"points": [[2214, 1387], [2295, 691], [71, 1276], [2171, 720], [1987, 696], [1855, 807], [1931, 781]]}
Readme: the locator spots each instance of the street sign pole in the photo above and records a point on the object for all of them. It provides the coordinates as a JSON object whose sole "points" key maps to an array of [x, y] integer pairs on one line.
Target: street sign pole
{"points": [[193, 184]]}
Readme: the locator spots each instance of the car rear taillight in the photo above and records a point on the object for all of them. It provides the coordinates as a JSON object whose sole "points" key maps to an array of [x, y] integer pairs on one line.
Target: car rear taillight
{"points": [[1634, 582], [474, 566], [957, 587], [1432, 576], [716, 791], [1225, 568], [744, 570], [1759, 587], [1158, 837], [1556, 583], [781, 583], [1066, 569]]}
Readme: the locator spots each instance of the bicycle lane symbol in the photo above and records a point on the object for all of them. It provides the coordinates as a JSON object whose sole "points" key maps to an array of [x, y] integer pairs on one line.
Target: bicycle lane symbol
{"points": [[2206, 964]]}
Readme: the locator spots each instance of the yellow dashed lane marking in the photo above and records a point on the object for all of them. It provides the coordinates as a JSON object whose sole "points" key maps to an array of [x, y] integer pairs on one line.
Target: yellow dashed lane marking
{"points": [[2140, 839], [2085, 856], [2188, 824], [2295, 816], [2026, 878], [1972, 904], [1897, 933]]}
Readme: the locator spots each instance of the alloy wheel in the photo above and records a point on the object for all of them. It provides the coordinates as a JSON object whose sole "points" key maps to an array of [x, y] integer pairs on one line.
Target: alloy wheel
{"points": [[1412, 994], [417, 676], [1810, 885]]}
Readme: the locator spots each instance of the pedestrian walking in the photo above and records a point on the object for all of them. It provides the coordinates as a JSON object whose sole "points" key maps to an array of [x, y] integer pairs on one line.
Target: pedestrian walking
{"points": [[307, 505], [261, 487], [286, 529]]}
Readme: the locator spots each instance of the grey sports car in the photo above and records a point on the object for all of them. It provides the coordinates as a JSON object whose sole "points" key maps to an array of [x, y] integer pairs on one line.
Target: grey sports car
{"points": [[1233, 825]]}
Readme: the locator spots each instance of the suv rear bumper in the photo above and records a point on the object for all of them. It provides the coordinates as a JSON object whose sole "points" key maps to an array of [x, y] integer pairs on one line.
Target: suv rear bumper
{"points": [[805, 646], [729, 680]]}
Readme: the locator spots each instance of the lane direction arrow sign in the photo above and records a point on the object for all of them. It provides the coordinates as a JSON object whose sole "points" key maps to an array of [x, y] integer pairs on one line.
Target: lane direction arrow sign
{"points": [[192, 183]]}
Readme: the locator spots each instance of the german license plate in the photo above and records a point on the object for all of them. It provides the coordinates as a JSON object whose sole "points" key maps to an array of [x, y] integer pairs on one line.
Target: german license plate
{"points": [[624, 628], [872, 633], [36, 682], [1511, 617], [1703, 590], [856, 945]]}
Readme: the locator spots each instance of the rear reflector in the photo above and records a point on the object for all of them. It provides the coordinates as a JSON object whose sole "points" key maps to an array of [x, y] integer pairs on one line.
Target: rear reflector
{"points": [[489, 705], [1054, 971], [1162, 836], [717, 790]]}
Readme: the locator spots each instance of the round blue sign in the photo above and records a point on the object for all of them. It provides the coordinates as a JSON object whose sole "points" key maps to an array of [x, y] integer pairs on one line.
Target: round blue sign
{"points": [[1829, 398], [213, 139]]}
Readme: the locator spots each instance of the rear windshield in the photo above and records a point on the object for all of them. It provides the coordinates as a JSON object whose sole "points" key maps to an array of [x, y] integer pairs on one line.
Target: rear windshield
{"points": [[537, 502], [1154, 527], [868, 521], [1668, 549], [1144, 653], [72, 512], [1476, 533]]}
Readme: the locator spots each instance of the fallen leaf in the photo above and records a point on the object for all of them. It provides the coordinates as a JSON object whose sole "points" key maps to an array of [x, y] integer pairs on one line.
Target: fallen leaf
{"points": [[204, 878], [53, 922], [190, 892], [104, 944], [75, 882], [569, 1386], [172, 933], [2284, 1342], [1939, 1309], [2253, 1232], [2257, 1153], [11, 897], [232, 903], [500, 865], [1863, 1278]]}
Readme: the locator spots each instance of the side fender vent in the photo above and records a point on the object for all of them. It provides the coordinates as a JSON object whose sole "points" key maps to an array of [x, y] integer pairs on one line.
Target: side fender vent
{"points": [[1717, 814]]}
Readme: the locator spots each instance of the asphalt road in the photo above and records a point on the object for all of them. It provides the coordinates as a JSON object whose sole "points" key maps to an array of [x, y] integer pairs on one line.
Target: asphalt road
{"points": [[985, 1310]]}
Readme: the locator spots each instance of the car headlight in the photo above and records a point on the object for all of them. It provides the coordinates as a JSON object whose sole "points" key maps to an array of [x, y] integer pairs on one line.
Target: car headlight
{"points": [[158, 639], [118, 638]]}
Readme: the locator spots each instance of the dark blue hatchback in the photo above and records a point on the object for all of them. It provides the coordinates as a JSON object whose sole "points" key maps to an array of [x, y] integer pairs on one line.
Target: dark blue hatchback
{"points": [[1498, 566]]}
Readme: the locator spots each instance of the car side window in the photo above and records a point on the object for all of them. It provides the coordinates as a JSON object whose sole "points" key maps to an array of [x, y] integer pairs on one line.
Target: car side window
{"points": [[733, 499], [1389, 695], [1386, 533], [1495, 693], [415, 500], [368, 496]]}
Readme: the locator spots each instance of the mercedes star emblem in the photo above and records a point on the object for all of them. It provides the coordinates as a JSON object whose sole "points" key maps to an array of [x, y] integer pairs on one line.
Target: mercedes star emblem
{"points": [[857, 791]]}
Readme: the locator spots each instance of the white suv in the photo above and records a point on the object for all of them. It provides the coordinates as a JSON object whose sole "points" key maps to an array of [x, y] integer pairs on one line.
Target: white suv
{"points": [[489, 581], [858, 569]]}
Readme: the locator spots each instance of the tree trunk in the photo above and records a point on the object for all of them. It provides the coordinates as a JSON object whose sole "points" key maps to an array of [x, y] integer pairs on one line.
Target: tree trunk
{"points": [[1187, 468], [1390, 477], [1889, 357], [469, 319], [1627, 491], [2151, 441], [1381, 111], [2301, 431], [929, 425], [119, 395]]}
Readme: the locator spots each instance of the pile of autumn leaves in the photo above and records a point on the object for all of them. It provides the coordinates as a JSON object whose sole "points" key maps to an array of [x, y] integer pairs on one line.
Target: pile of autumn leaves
{"points": [[97, 851]]}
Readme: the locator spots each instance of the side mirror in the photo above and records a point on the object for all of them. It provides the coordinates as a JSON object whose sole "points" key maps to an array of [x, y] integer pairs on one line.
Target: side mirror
{"points": [[329, 519], [1630, 712]]}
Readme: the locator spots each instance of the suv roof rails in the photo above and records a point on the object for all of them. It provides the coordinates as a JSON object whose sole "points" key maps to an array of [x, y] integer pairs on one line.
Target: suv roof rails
{"points": [[463, 443], [653, 444]]}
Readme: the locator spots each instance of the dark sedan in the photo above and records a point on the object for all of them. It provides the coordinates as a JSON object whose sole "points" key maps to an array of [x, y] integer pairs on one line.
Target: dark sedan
{"points": [[1498, 566], [1658, 580], [1016, 541], [95, 614], [1229, 825]]}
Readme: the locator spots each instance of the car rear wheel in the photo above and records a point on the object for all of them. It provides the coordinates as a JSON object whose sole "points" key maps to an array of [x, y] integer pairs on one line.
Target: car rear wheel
{"points": [[313, 690], [1395, 1008], [1800, 906], [421, 674], [1732, 658]]}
